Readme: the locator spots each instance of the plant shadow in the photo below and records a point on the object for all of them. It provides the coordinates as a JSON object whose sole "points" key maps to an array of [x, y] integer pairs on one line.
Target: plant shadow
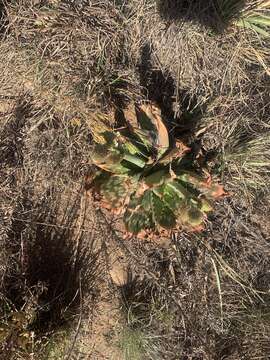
{"points": [[52, 269], [179, 109], [215, 15], [3, 17]]}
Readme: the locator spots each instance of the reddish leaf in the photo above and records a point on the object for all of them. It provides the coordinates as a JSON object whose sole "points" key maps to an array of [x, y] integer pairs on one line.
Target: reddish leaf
{"points": [[217, 191]]}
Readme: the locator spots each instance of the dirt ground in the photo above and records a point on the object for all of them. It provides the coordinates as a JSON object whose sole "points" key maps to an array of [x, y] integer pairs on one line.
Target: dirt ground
{"points": [[71, 285]]}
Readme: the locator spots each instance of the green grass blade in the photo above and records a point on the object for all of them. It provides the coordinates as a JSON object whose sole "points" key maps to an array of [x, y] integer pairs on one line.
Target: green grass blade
{"points": [[259, 19], [246, 24]]}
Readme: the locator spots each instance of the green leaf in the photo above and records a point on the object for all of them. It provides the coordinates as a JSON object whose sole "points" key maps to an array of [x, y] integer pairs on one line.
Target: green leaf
{"points": [[249, 25], [180, 190], [135, 160], [171, 196], [259, 19], [136, 142], [138, 216], [100, 177], [195, 216], [136, 221], [191, 216], [109, 138], [157, 178], [155, 192], [194, 182], [108, 156], [205, 206], [131, 148], [116, 189], [142, 138], [145, 200], [162, 214]]}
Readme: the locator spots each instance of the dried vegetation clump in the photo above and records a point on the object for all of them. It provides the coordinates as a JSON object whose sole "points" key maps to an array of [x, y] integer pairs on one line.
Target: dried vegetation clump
{"points": [[71, 70], [80, 53]]}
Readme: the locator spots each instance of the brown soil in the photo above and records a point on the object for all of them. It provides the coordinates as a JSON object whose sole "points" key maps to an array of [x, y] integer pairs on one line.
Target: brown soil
{"points": [[98, 335]]}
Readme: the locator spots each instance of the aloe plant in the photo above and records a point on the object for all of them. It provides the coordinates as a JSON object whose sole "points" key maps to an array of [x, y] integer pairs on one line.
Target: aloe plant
{"points": [[154, 184]]}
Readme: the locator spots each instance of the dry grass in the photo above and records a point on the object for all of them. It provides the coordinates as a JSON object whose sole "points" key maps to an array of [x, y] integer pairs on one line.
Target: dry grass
{"points": [[204, 65], [49, 279], [45, 264], [179, 299], [61, 63], [80, 53]]}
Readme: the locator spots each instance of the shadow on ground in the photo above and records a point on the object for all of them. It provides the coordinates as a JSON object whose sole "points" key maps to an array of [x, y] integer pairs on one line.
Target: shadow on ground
{"points": [[51, 271], [180, 110], [3, 17], [213, 14]]}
